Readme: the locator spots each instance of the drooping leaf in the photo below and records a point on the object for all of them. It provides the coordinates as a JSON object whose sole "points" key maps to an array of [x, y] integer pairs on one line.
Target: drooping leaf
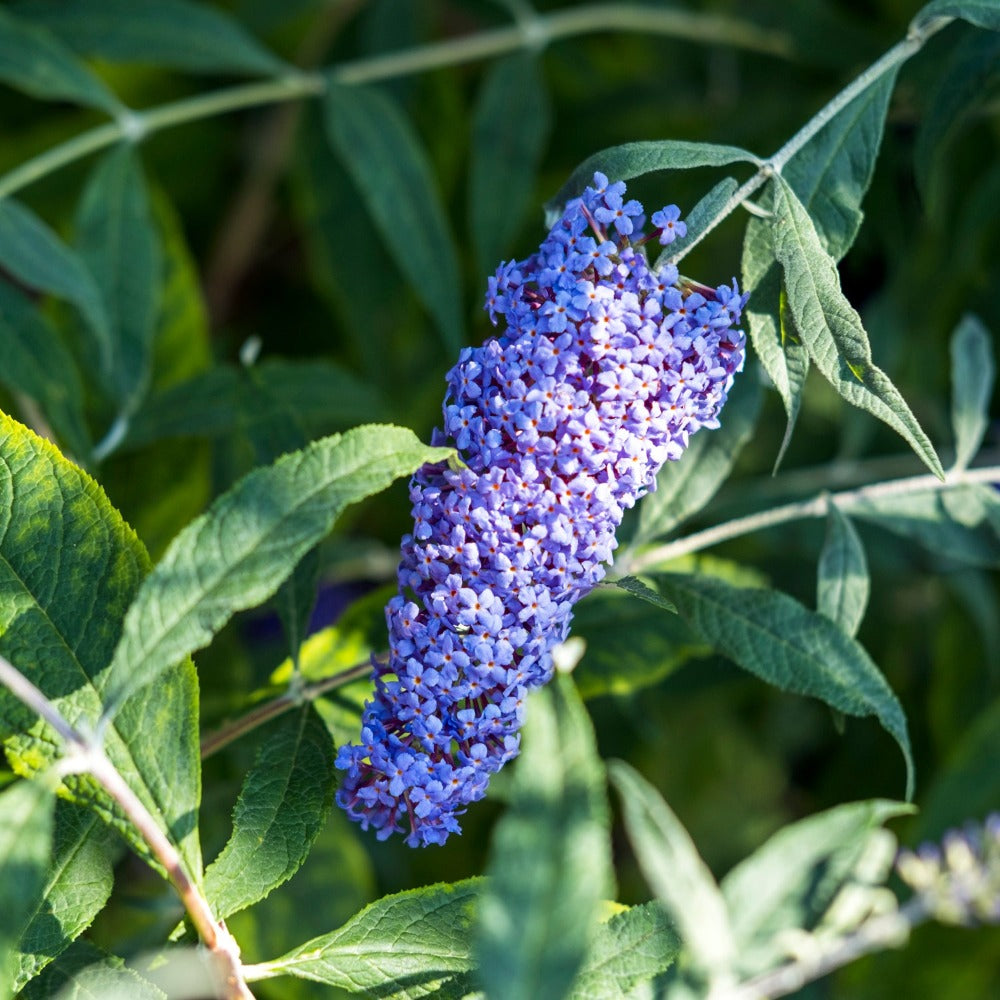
{"points": [[78, 884], [400, 947], [634, 586], [174, 33], [791, 647], [842, 584], [25, 838], [509, 130], [550, 857], [676, 873], [831, 329], [699, 217], [284, 801], [982, 13], [84, 972], [384, 155], [238, 553], [972, 374], [832, 172], [34, 361], [35, 62], [69, 568], [789, 882], [685, 486], [117, 239], [634, 159]]}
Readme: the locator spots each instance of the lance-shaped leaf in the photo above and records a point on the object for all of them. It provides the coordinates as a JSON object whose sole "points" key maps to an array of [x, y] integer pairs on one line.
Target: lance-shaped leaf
{"points": [[35, 62], [25, 838], [285, 798], [972, 373], [789, 883], [550, 859], [676, 873], [685, 486], [240, 551], [831, 329], [982, 13], [633, 159], [84, 972], [842, 577], [699, 217], [509, 129], [36, 256], [175, 33], [118, 241], [77, 885], [400, 947], [795, 649], [384, 155], [69, 568]]}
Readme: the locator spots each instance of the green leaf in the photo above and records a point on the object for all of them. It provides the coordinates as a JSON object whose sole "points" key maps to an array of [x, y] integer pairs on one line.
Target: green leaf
{"points": [[791, 647], [400, 947], [240, 551], [628, 950], [830, 327], [34, 361], [685, 486], [78, 884], [173, 33], [33, 253], [832, 172], [383, 154], [972, 374], [982, 13], [789, 883], [84, 972], [782, 354], [25, 838], [634, 159], [634, 586], [69, 568], [676, 873], [698, 218], [284, 802], [118, 240], [509, 129], [961, 523], [842, 579], [550, 857], [35, 62]]}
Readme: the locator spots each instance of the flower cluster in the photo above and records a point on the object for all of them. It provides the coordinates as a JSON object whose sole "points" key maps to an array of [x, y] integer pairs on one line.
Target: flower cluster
{"points": [[604, 370]]}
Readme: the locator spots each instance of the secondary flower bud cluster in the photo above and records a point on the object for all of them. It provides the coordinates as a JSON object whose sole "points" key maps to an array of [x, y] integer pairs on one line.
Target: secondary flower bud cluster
{"points": [[604, 369]]}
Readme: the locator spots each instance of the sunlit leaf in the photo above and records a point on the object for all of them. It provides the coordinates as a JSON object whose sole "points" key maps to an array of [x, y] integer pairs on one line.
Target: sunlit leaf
{"points": [[982, 13], [842, 577]]}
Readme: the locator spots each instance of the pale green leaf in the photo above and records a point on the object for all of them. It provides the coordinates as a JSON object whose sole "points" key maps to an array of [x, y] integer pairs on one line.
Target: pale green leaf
{"points": [[400, 947], [69, 568], [117, 239], [972, 374], [634, 159], [509, 130], [982, 13], [550, 857], [791, 647], [698, 218], [84, 972], [36, 256], [383, 154], [831, 329], [676, 873], [285, 798], [789, 883], [685, 486], [240, 551], [78, 884], [832, 172], [637, 588], [25, 839], [842, 584], [183, 35], [35, 62]]}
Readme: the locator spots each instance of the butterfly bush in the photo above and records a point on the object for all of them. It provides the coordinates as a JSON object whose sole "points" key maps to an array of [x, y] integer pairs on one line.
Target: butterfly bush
{"points": [[604, 369]]}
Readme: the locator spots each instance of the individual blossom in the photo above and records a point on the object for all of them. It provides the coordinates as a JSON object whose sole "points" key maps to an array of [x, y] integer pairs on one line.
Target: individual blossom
{"points": [[603, 369]]}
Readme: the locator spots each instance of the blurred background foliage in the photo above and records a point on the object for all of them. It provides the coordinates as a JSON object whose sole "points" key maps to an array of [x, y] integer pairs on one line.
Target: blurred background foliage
{"points": [[269, 248]]}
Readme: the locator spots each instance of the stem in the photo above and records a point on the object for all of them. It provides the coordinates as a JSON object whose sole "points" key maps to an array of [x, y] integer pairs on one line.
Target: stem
{"points": [[86, 755], [816, 507], [255, 718]]}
